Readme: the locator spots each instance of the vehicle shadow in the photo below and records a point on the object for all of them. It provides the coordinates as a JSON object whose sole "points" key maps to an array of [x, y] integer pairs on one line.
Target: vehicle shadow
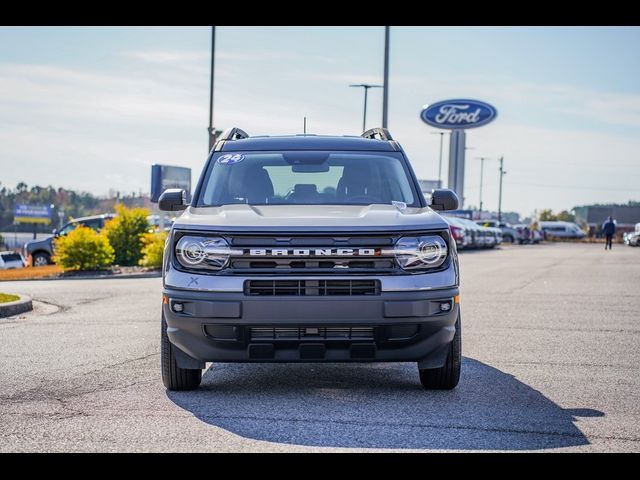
{"points": [[380, 406]]}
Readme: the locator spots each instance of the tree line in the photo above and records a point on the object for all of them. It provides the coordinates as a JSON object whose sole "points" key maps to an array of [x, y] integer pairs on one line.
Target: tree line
{"points": [[66, 204]]}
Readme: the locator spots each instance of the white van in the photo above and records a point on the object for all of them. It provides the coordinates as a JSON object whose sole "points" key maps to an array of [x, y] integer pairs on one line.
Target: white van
{"points": [[561, 229]]}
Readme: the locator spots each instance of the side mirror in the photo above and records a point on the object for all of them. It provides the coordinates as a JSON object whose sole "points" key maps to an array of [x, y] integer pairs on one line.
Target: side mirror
{"points": [[55, 232], [443, 199], [173, 199]]}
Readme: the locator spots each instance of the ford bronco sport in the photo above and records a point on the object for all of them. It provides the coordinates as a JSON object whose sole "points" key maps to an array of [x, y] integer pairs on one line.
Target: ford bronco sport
{"points": [[309, 248]]}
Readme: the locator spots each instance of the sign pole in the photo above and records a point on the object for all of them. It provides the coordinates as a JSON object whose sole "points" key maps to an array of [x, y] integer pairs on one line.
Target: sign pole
{"points": [[457, 149]]}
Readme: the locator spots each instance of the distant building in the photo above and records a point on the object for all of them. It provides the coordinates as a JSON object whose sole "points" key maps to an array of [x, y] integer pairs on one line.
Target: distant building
{"points": [[626, 217]]}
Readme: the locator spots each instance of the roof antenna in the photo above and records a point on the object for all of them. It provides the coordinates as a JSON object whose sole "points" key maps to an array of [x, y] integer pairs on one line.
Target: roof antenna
{"points": [[304, 125]]}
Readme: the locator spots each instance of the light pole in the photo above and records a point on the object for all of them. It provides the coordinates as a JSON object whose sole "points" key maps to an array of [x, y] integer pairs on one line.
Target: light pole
{"points": [[442, 134], [482, 159], [212, 134], [502, 174], [385, 92], [366, 87]]}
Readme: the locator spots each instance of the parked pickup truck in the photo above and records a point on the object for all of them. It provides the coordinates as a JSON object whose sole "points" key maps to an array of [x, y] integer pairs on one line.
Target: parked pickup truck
{"points": [[41, 251]]}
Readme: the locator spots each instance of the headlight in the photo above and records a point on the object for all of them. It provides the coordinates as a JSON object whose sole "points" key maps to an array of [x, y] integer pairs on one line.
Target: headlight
{"points": [[206, 253], [428, 251]]}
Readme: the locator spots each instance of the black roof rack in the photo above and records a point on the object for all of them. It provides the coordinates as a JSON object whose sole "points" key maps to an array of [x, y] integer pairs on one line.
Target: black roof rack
{"points": [[382, 133], [232, 134]]}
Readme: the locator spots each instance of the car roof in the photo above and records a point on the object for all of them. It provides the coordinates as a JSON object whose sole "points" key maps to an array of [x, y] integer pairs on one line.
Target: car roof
{"points": [[561, 223], [92, 217], [309, 142]]}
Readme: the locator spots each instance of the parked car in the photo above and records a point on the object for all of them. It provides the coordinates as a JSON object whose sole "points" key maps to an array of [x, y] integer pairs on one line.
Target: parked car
{"points": [[10, 260], [41, 251], [559, 229], [509, 234], [536, 236], [154, 222], [497, 235], [479, 233], [460, 232], [632, 239]]}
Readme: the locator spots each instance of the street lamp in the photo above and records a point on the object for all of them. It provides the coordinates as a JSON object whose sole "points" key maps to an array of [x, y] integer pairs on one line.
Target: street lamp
{"points": [[366, 87], [385, 92], [212, 132], [482, 159], [502, 174], [442, 134]]}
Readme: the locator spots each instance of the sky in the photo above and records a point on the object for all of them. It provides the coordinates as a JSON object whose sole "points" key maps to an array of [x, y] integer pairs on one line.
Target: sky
{"points": [[92, 108]]}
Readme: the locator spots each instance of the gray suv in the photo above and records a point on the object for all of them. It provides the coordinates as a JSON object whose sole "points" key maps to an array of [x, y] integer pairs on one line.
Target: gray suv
{"points": [[309, 249]]}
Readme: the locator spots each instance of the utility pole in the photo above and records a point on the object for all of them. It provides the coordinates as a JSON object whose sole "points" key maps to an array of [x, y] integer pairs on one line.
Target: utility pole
{"points": [[212, 134], [502, 173], [440, 161], [385, 92], [366, 89], [482, 159]]}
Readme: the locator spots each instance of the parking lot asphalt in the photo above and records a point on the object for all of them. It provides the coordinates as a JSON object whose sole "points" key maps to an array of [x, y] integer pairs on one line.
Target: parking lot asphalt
{"points": [[551, 345]]}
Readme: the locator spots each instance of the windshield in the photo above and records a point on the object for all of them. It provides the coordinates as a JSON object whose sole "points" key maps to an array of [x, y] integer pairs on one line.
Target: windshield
{"points": [[307, 178]]}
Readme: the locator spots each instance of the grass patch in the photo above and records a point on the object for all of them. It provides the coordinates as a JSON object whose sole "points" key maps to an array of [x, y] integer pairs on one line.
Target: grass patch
{"points": [[6, 298], [29, 273]]}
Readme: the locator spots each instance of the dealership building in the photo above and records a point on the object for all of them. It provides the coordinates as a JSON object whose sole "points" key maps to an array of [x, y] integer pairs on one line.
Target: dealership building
{"points": [[626, 216]]}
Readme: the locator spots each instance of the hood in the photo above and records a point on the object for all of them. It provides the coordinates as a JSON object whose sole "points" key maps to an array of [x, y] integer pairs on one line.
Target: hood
{"points": [[38, 242], [310, 217]]}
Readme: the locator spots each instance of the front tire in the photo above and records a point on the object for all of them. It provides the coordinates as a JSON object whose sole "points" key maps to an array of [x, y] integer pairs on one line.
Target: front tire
{"points": [[41, 259], [447, 376], [174, 377]]}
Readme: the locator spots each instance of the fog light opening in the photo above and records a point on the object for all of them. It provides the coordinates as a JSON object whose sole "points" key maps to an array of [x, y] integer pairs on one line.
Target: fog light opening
{"points": [[445, 306], [178, 307]]}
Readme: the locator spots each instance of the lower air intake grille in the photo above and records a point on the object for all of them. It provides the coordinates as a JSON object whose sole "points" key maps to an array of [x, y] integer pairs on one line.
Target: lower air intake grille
{"points": [[311, 287], [311, 333]]}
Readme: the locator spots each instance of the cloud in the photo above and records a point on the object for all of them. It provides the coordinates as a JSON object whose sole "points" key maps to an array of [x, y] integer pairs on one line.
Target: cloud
{"points": [[60, 94], [169, 57], [515, 97], [72, 126]]}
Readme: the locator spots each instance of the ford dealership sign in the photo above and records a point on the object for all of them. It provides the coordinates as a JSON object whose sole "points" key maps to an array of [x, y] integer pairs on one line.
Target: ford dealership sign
{"points": [[458, 114]]}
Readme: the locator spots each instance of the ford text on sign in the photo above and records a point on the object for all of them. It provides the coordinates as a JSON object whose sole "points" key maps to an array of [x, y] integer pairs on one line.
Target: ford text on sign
{"points": [[458, 114]]}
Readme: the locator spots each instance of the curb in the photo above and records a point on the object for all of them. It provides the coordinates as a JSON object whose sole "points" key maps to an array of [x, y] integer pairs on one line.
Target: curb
{"points": [[22, 305], [114, 276], [157, 274]]}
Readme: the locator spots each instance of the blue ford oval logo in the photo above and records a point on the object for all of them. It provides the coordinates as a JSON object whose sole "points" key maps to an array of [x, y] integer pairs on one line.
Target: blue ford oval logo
{"points": [[458, 114]]}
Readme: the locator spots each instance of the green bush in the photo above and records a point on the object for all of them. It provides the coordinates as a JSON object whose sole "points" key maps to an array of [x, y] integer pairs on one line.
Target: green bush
{"points": [[153, 249], [125, 234], [83, 249]]}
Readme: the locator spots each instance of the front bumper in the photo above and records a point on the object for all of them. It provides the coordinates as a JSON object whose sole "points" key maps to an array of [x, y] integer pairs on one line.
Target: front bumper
{"points": [[399, 326]]}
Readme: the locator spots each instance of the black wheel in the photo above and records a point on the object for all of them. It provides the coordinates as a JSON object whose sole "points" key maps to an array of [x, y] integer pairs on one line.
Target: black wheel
{"points": [[507, 239], [174, 377], [40, 259], [447, 376]]}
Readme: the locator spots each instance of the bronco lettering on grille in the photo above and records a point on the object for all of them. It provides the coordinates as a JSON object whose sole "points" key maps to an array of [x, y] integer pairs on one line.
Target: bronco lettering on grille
{"points": [[312, 252]]}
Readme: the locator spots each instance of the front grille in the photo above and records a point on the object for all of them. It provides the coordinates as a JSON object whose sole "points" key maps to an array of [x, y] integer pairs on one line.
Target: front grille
{"points": [[311, 333], [311, 287], [312, 254]]}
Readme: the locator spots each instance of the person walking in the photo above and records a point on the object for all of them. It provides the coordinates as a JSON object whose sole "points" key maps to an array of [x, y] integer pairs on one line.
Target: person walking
{"points": [[608, 229]]}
